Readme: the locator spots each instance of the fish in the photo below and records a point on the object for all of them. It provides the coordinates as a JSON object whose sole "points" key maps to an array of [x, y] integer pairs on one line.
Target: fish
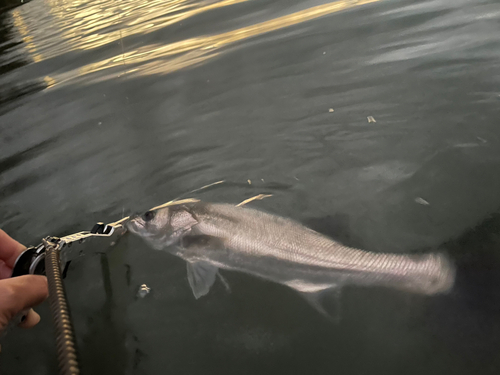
{"points": [[213, 236]]}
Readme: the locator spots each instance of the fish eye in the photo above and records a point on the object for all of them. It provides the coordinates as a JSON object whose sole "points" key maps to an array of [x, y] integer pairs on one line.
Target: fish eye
{"points": [[148, 216]]}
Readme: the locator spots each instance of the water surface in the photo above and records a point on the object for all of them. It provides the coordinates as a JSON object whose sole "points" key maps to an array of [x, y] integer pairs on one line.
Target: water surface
{"points": [[373, 121]]}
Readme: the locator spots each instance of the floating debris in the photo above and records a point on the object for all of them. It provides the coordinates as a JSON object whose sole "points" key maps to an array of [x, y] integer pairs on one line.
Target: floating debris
{"points": [[296, 178], [422, 201], [371, 119], [482, 139], [331, 110], [257, 197], [176, 203], [262, 179], [324, 52], [143, 291], [249, 182], [466, 145]]}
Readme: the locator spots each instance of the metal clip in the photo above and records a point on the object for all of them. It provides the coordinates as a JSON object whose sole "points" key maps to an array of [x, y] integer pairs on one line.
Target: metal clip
{"points": [[31, 261]]}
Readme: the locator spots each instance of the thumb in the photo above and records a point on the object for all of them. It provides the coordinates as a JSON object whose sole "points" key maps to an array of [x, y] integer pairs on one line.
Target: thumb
{"points": [[20, 293]]}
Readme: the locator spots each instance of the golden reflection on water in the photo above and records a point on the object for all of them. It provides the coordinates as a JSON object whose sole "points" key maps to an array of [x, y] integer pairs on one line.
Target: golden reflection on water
{"points": [[196, 50], [29, 43], [91, 25], [77, 25], [49, 81]]}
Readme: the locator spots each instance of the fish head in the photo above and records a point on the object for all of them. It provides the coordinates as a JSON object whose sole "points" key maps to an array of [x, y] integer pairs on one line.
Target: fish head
{"points": [[162, 227]]}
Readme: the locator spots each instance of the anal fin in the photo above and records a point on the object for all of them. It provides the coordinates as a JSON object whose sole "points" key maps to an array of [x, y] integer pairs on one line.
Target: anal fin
{"points": [[327, 302]]}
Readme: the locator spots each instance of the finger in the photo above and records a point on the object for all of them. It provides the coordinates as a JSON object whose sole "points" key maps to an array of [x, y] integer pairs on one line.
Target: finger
{"points": [[10, 249], [31, 319], [21, 293], [5, 271]]}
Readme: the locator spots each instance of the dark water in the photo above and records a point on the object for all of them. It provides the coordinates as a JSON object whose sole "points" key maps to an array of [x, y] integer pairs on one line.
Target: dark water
{"points": [[112, 106]]}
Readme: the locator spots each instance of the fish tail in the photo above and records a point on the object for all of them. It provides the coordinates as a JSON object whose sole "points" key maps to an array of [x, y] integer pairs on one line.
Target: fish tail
{"points": [[431, 274]]}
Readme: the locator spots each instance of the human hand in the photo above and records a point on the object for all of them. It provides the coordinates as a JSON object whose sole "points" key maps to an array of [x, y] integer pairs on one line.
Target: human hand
{"points": [[18, 293]]}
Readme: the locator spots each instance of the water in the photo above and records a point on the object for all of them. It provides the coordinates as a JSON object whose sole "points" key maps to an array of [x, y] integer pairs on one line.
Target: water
{"points": [[108, 107]]}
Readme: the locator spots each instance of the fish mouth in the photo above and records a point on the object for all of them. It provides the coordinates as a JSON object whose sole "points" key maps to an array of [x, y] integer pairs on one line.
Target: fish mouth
{"points": [[135, 224]]}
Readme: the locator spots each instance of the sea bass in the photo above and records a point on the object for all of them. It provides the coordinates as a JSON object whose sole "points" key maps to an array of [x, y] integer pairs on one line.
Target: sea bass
{"points": [[210, 236]]}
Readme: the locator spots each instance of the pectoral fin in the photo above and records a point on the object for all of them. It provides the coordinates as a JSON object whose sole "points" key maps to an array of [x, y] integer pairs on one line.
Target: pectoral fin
{"points": [[201, 277]]}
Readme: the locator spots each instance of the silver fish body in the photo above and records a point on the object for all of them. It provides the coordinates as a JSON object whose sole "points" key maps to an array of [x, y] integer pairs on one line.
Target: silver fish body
{"points": [[211, 236]]}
